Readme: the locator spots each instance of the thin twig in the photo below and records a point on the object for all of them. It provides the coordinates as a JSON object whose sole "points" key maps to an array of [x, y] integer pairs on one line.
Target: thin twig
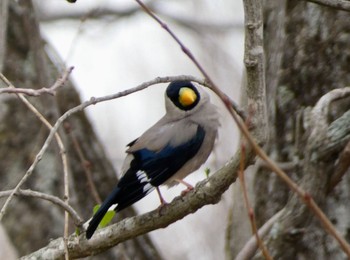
{"points": [[285, 166], [36, 92], [306, 197], [249, 249], [53, 199], [56, 85], [30, 170], [84, 162], [248, 207], [210, 82]]}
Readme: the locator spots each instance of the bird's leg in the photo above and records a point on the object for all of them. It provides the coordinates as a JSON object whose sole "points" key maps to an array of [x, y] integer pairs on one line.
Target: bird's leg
{"points": [[189, 186], [162, 200]]}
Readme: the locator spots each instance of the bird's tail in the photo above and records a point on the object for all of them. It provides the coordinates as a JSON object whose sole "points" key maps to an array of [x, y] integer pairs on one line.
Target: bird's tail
{"points": [[96, 219]]}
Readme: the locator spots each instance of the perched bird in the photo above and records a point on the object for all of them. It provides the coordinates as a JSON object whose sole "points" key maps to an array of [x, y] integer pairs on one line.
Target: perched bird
{"points": [[178, 144]]}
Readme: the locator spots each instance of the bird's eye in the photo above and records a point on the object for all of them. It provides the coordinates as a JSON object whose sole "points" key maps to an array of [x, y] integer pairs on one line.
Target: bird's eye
{"points": [[187, 96]]}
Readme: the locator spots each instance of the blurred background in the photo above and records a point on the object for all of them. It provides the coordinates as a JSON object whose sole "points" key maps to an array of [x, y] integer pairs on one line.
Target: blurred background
{"points": [[113, 46]]}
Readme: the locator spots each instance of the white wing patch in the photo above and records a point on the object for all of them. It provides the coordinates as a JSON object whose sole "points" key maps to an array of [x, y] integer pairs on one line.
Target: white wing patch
{"points": [[113, 207], [148, 188], [142, 177]]}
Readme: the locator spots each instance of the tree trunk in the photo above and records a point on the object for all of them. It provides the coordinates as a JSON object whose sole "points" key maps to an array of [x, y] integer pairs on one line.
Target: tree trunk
{"points": [[31, 223], [307, 56]]}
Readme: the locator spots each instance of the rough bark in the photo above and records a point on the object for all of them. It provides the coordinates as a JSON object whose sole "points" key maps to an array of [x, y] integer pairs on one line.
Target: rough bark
{"points": [[27, 65], [253, 100], [307, 57]]}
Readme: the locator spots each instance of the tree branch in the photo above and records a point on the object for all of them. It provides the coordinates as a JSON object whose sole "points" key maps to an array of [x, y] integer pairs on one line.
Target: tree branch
{"points": [[53, 199], [4, 5], [206, 192], [314, 183], [335, 134], [58, 123], [336, 4], [54, 129], [229, 104], [191, 22], [32, 108], [254, 62], [36, 92], [60, 144], [78, 14], [249, 249], [342, 167]]}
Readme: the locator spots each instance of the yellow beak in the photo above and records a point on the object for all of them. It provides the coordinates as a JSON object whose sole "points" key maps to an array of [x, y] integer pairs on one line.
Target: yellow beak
{"points": [[187, 96]]}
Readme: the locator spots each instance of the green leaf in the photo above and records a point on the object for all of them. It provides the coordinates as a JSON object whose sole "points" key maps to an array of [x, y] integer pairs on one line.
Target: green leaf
{"points": [[95, 209], [207, 172], [107, 217]]}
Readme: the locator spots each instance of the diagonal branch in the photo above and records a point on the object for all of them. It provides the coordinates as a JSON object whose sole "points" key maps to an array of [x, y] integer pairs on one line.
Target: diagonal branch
{"points": [[249, 249], [206, 192], [232, 107]]}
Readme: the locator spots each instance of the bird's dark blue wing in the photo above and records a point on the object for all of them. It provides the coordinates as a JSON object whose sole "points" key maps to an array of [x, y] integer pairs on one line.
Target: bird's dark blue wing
{"points": [[150, 169], [147, 170]]}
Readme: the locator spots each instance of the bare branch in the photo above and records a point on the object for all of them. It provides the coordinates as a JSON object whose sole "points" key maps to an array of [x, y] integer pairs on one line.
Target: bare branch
{"points": [[285, 166], [96, 13], [230, 105], [191, 22], [342, 167], [329, 137], [254, 61], [306, 197], [206, 192], [322, 139], [249, 249], [4, 4], [59, 142], [36, 92], [335, 135], [250, 210], [53, 199], [84, 162], [255, 26], [54, 129], [336, 4], [199, 198]]}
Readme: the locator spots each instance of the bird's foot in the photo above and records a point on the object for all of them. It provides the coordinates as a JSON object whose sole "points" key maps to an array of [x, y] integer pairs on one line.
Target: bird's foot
{"points": [[162, 205], [163, 202], [184, 192], [189, 187]]}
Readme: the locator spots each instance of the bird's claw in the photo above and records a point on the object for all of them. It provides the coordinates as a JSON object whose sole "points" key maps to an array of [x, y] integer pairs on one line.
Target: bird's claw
{"points": [[184, 192]]}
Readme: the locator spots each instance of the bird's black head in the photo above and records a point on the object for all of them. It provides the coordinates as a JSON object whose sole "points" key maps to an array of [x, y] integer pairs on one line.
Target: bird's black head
{"points": [[183, 94]]}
